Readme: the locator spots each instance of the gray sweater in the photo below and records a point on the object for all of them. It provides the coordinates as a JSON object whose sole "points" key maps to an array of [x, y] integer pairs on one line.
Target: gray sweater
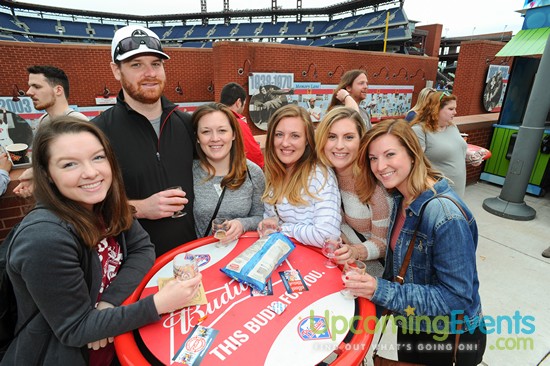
{"points": [[48, 267], [244, 203]]}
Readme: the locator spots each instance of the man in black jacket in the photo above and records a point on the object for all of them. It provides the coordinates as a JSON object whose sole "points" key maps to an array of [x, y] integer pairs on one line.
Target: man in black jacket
{"points": [[153, 140]]}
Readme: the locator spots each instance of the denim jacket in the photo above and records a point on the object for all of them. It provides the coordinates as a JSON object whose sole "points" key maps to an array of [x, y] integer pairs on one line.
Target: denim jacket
{"points": [[441, 279]]}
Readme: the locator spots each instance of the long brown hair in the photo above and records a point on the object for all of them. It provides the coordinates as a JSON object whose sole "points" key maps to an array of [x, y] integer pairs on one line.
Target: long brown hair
{"points": [[276, 185], [346, 80], [321, 134], [429, 113], [108, 218], [418, 180], [237, 157]]}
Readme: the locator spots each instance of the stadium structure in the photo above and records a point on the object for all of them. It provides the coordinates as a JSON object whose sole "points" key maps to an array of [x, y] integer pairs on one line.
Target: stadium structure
{"points": [[353, 24]]}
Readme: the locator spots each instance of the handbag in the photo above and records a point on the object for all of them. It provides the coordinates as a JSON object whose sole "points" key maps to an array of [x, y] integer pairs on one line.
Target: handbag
{"points": [[400, 279]]}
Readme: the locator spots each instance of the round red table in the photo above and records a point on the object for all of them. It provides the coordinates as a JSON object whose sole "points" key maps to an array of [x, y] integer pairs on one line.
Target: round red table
{"points": [[249, 332]]}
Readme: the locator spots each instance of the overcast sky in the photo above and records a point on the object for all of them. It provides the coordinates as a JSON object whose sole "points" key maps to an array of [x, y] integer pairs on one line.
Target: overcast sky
{"points": [[459, 18]]}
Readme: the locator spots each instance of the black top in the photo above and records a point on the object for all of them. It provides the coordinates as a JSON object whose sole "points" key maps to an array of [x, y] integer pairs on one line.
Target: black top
{"points": [[151, 164]]}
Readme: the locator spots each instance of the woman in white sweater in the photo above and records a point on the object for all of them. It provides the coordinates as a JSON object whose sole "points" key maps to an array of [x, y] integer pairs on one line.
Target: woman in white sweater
{"points": [[364, 224], [301, 194]]}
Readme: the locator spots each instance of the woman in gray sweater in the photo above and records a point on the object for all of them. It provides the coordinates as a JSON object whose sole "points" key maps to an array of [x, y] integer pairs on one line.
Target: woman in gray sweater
{"points": [[222, 176], [77, 255]]}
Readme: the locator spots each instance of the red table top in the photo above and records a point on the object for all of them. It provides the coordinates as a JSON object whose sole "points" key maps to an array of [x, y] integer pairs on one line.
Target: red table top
{"points": [[249, 332]]}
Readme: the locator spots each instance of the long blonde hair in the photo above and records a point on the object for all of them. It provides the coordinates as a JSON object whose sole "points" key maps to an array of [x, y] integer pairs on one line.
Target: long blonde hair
{"points": [[277, 185], [321, 134], [421, 172]]}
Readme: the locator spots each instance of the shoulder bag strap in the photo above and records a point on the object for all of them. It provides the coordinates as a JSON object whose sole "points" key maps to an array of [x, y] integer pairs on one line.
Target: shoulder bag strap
{"points": [[400, 278], [209, 227]]}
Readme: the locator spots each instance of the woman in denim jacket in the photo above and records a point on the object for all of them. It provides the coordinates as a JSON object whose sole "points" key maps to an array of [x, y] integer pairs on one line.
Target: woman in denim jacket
{"points": [[441, 281]]}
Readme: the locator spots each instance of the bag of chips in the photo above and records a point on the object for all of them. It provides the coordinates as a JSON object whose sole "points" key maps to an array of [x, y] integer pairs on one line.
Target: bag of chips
{"points": [[256, 263]]}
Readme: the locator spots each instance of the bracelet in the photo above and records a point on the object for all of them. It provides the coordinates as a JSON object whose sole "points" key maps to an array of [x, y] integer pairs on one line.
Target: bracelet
{"points": [[347, 95]]}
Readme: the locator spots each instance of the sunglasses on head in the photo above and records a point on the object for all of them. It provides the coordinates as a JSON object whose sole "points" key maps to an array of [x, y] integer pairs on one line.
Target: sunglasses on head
{"points": [[444, 94], [137, 39]]}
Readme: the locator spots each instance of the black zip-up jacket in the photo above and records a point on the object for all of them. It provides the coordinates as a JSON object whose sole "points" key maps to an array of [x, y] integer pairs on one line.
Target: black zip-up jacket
{"points": [[151, 164]]}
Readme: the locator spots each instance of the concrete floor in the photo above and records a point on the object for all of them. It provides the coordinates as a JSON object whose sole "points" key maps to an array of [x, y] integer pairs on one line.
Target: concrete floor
{"points": [[514, 276]]}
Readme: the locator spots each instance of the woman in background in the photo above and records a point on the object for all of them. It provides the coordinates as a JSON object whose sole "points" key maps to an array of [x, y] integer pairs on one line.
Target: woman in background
{"points": [[351, 91], [79, 254], [301, 194], [441, 140], [364, 224], [420, 101], [223, 175]]}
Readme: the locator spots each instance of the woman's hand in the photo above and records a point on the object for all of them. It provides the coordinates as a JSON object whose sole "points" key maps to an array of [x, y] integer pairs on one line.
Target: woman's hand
{"points": [[175, 294], [344, 254], [234, 231], [102, 342], [361, 285]]}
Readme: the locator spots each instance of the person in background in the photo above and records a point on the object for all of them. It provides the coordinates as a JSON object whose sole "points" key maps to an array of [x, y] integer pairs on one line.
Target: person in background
{"points": [[441, 140], [364, 224], [49, 91], [420, 101], [223, 175], [313, 110], [441, 280], [79, 254], [301, 194], [350, 92], [5, 168], [153, 141], [234, 96]]}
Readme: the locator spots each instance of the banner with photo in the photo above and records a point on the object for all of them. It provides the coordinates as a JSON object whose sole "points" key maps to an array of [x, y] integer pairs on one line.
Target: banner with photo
{"points": [[495, 87]]}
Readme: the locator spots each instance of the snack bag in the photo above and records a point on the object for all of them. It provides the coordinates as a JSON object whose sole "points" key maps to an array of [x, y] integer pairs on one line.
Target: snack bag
{"points": [[256, 263]]}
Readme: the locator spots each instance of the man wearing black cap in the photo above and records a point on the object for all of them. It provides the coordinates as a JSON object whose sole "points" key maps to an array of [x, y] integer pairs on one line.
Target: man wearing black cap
{"points": [[153, 140]]}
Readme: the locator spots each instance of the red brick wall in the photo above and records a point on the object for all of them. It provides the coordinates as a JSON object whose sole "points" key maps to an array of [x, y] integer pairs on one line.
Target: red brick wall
{"points": [[473, 62], [197, 69], [431, 48]]}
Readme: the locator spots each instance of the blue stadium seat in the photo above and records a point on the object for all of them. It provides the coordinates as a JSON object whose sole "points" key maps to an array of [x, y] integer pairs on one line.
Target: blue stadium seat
{"points": [[7, 22], [296, 29], [271, 30], [223, 31], [246, 30], [164, 32], [40, 26], [103, 30], [76, 29]]}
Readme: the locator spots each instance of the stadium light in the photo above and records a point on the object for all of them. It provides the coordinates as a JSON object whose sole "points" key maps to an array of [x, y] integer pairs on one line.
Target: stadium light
{"points": [[377, 74], [178, 89], [240, 70], [416, 73], [16, 93], [304, 73], [399, 72], [331, 73]]}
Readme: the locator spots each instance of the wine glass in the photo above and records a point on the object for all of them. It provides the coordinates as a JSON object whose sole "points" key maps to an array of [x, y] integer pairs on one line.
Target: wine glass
{"points": [[331, 243], [219, 229], [185, 266], [355, 267], [179, 213]]}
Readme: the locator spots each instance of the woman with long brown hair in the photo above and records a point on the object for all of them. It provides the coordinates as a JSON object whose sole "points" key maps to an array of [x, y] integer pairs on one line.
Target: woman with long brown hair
{"points": [[79, 254], [222, 176]]}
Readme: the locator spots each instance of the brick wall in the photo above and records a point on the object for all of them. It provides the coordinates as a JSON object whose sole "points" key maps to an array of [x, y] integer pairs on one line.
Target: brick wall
{"points": [[473, 62], [433, 40], [87, 67]]}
